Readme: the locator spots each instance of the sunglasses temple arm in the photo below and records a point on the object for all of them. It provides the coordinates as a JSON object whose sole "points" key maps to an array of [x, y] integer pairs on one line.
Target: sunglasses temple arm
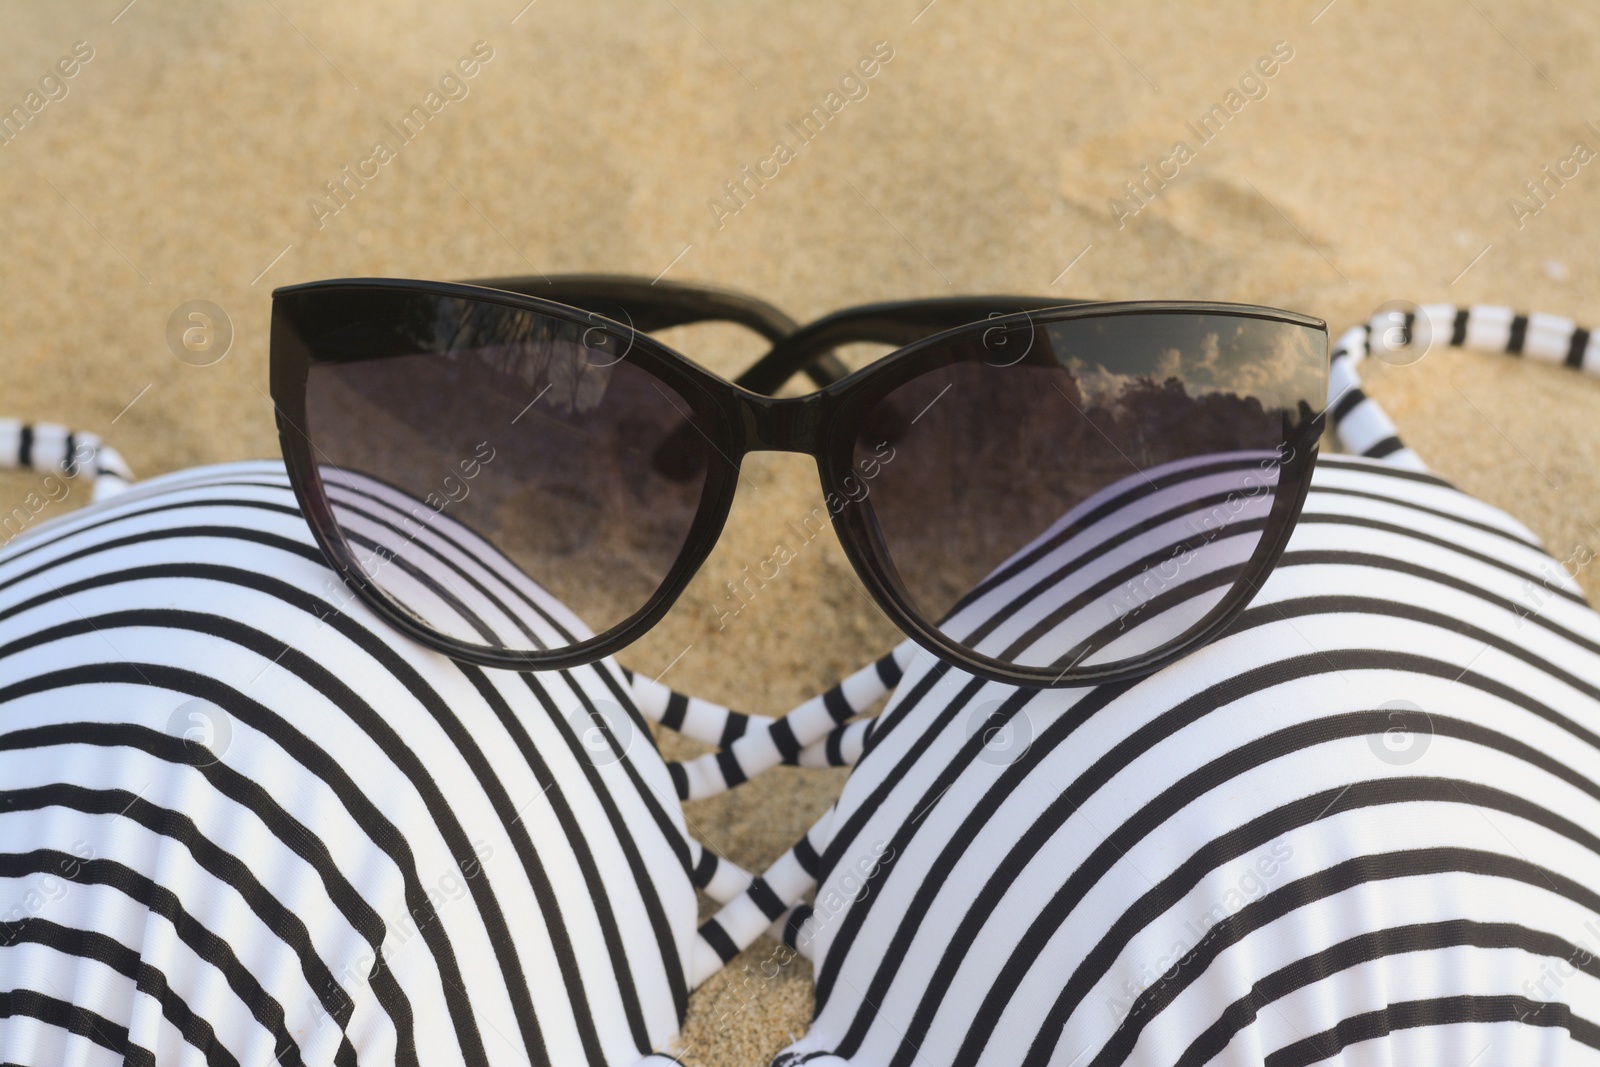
{"points": [[810, 348], [650, 305]]}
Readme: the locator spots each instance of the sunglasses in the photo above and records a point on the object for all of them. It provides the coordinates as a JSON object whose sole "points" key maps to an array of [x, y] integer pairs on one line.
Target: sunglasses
{"points": [[1042, 493]]}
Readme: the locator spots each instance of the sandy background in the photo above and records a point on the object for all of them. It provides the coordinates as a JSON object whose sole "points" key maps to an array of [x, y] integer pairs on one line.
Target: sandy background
{"points": [[1378, 166]]}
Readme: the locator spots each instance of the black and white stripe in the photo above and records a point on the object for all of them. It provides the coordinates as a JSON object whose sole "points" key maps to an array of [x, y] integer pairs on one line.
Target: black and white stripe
{"points": [[1233, 825], [1357, 828], [44, 446], [242, 820], [1365, 429], [814, 734], [226, 790]]}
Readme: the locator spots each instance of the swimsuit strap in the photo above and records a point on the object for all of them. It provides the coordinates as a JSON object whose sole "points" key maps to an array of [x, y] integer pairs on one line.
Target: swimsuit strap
{"points": [[713, 724], [813, 734], [1365, 429], [767, 906], [44, 446], [773, 902]]}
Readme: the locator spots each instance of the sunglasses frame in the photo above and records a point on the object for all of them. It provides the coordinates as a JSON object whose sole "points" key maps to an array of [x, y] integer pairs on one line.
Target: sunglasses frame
{"points": [[737, 419]]}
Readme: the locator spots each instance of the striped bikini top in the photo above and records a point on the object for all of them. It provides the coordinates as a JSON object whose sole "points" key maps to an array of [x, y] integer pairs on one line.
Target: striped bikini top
{"points": [[242, 821]]}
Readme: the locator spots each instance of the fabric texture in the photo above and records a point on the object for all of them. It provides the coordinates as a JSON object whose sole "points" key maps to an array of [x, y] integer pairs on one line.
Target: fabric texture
{"points": [[242, 820], [1367, 810], [229, 787], [1358, 828]]}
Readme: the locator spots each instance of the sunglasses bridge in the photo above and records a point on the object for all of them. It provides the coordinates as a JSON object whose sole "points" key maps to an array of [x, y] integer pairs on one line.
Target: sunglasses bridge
{"points": [[781, 424]]}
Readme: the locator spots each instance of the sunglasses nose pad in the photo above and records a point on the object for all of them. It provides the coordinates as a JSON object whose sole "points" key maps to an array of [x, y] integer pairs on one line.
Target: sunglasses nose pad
{"points": [[887, 425], [678, 458]]}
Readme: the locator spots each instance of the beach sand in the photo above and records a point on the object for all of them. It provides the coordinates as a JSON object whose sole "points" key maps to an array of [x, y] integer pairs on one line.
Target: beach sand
{"points": [[1378, 163]]}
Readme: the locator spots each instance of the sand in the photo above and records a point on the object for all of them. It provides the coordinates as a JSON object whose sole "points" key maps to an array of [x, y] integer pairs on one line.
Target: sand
{"points": [[984, 156]]}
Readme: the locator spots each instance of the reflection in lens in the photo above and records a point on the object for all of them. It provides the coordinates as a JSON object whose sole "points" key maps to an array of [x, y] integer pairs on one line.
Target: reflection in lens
{"points": [[494, 470], [1100, 499]]}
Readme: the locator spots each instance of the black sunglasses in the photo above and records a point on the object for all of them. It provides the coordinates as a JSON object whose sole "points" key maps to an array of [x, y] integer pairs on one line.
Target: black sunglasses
{"points": [[1042, 493]]}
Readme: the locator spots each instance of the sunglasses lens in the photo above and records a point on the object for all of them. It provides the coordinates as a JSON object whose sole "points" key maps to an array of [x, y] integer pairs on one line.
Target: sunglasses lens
{"points": [[512, 480], [1085, 493]]}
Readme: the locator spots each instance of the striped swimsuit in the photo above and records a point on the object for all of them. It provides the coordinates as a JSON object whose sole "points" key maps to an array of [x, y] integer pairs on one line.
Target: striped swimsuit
{"points": [[243, 821]]}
